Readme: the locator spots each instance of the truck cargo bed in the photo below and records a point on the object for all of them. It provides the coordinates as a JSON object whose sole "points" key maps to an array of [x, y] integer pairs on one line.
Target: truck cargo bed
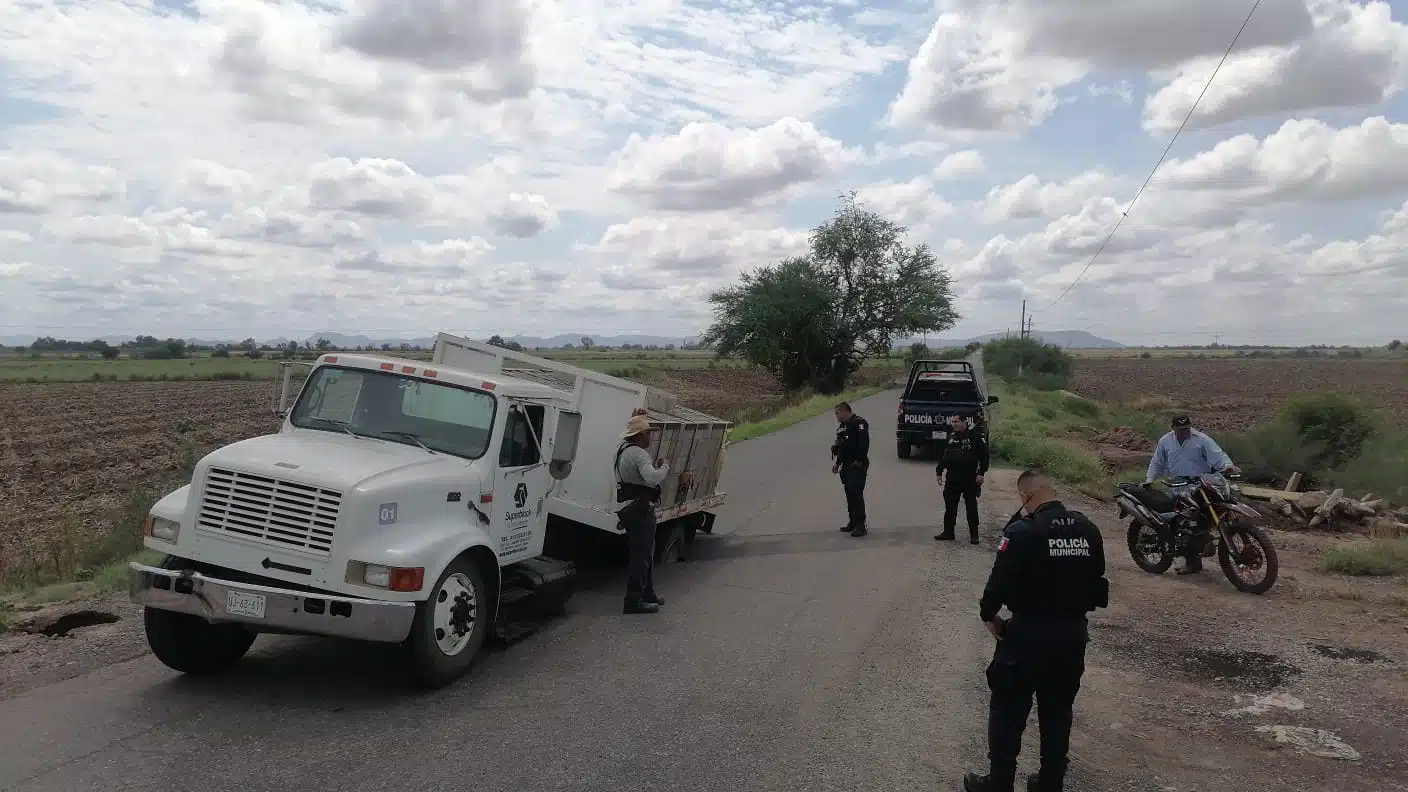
{"points": [[689, 440]]}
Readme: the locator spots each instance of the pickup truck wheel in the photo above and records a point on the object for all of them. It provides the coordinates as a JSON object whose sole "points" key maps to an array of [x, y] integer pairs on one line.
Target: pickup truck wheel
{"points": [[902, 449], [450, 625], [192, 645]]}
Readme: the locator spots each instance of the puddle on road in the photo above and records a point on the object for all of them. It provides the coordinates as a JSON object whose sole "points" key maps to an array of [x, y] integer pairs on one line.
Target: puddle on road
{"points": [[1360, 656], [1250, 671]]}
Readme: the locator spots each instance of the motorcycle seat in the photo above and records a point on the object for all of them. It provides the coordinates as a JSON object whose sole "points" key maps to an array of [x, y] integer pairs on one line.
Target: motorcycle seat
{"points": [[1156, 500]]}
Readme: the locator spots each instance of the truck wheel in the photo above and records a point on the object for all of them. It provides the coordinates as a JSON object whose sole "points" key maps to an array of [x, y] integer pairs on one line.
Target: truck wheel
{"points": [[192, 645], [903, 449], [450, 625], [669, 542]]}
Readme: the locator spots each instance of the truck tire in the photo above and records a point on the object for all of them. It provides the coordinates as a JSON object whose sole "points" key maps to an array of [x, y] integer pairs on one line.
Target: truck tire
{"points": [[450, 625], [669, 542], [902, 449], [192, 645]]}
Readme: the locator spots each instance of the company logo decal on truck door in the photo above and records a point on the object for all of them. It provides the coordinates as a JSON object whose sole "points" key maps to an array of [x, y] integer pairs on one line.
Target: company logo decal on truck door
{"points": [[520, 495]]}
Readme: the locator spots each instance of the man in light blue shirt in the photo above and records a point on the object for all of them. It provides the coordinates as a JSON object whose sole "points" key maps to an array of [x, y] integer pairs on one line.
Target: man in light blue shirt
{"points": [[1187, 453]]}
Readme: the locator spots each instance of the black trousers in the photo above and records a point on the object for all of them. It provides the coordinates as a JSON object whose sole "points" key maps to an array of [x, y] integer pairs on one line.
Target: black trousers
{"points": [[853, 481], [1193, 555], [967, 490], [638, 519], [1045, 659]]}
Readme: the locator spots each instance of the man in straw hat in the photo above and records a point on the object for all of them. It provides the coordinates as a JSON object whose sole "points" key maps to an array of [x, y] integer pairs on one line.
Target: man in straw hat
{"points": [[638, 480]]}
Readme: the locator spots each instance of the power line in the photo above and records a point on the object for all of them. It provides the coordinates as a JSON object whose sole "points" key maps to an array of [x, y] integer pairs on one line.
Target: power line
{"points": [[1124, 214]]}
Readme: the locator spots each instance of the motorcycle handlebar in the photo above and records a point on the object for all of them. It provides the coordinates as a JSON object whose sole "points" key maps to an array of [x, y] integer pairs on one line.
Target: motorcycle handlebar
{"points": [[1194, 479]]}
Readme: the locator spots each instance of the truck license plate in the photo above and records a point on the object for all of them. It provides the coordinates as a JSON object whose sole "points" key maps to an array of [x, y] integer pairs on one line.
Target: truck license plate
{"points": [[238, 603], [940, 435]]}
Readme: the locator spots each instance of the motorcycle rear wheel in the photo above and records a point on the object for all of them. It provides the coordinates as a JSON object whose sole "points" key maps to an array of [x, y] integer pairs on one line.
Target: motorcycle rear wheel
{"points": [[1255, 553], [1148, 550]]}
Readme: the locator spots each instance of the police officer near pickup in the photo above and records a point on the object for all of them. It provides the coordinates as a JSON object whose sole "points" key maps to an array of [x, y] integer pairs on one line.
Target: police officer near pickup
{"points": [[962, 464], [850, 459], [1049, 572], [638, 480]]}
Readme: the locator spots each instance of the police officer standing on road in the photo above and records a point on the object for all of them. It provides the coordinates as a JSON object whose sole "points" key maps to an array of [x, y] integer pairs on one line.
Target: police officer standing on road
{"points": [[964, 459], [1049, 572], [638, 480], [850, 458]]}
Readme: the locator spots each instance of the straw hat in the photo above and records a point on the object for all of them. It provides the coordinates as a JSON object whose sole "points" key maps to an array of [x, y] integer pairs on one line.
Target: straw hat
{"points": [[640, 422]]}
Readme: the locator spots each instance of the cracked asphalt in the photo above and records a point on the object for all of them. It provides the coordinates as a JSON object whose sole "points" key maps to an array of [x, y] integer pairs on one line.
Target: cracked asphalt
{"points": [[790, 656]]}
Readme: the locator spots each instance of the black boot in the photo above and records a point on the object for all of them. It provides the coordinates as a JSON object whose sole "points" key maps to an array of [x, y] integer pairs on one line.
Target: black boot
{"points": [[859, 531], [972, 782], [973, 537], [653, 599], [1034, 784], [640, 607], [946, 536], [1192, 565], [847, 528]]}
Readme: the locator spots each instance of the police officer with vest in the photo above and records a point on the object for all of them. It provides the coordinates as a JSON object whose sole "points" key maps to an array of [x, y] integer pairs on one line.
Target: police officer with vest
{"points": [[850, 459], [962, 464], [1049, 572]]}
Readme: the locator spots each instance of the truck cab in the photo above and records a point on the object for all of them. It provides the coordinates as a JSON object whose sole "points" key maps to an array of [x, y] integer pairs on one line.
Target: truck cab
{"points": [[936, 391], [391, 506]]}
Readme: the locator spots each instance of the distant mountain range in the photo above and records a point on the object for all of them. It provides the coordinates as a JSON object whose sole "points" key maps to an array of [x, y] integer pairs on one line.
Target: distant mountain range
{"points": [[349, 341], [1070, 339]]}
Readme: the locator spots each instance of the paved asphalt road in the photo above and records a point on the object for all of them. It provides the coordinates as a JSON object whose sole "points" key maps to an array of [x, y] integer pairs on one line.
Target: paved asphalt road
{"points": [[790, 656]]}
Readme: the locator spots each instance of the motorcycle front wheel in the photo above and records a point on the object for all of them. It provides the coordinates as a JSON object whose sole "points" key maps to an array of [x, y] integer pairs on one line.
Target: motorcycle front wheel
{"points": [[1148, 549], [1250, 564]]}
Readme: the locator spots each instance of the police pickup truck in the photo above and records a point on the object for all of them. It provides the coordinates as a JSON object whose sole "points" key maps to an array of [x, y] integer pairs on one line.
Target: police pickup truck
{"points": [[937, 390]]}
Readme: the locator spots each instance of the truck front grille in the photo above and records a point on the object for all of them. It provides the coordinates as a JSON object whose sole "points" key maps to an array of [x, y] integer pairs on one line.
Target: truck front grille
{"points": [[269, 511]]}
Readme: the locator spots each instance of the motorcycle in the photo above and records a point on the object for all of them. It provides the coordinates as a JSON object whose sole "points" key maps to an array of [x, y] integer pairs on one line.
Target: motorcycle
{"points": [[1163, 525]]}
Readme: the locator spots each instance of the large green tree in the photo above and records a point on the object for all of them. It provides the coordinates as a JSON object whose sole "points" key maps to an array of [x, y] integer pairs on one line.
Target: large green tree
{"points": [[813, 321]]}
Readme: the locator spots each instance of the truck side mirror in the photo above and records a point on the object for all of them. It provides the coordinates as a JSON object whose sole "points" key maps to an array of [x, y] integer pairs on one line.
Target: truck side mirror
{"points": [[992, 400], [564, 444], [281, 395]]}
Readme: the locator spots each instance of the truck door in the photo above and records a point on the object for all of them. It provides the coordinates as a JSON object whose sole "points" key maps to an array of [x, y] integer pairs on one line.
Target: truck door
{"points": [[521, 485]]}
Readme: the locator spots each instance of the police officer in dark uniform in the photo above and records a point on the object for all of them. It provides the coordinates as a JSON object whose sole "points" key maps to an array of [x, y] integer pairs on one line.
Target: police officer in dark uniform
{"points": [[964, 459], [850, 458], [1049, 572]]}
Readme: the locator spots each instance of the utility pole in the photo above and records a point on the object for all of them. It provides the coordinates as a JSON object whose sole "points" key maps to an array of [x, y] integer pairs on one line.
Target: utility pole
{"points": [[1021, 350]]}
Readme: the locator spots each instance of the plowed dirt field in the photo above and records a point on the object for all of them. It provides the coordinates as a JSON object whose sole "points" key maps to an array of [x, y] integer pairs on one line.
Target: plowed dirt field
{"points": [[1230, 394]]}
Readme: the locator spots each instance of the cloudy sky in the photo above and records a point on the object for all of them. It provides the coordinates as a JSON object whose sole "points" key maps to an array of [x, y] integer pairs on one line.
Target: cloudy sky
{"points": [[233, 167]]}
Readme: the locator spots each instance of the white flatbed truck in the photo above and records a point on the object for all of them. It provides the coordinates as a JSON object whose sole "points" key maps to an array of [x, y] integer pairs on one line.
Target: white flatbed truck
{"points": [[425, 504]]}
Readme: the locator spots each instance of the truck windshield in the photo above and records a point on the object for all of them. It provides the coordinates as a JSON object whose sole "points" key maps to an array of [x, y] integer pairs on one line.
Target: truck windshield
{"points": [[943, 389], [387, 406]]}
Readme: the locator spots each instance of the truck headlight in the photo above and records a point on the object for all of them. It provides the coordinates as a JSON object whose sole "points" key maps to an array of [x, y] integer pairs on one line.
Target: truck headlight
{"points": [[379, 576], [387, 577], [160, 528]]}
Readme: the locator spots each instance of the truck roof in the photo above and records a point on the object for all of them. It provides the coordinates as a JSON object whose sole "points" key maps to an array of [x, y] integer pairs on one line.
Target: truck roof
{"points": [[498, 383], [947, 376]]}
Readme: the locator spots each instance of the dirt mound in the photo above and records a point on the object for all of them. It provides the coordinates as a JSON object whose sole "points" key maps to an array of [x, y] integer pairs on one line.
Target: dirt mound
{"points": [[1126, 438]]}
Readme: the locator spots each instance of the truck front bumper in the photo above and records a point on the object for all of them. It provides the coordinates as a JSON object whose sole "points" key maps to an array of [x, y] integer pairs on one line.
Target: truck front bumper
{"points": [[270, 609]]}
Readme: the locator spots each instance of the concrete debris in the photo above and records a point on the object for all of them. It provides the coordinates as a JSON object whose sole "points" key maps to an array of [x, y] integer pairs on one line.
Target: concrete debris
{"points": [[1335, 511], [1259, 705], [1315, 742]]}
